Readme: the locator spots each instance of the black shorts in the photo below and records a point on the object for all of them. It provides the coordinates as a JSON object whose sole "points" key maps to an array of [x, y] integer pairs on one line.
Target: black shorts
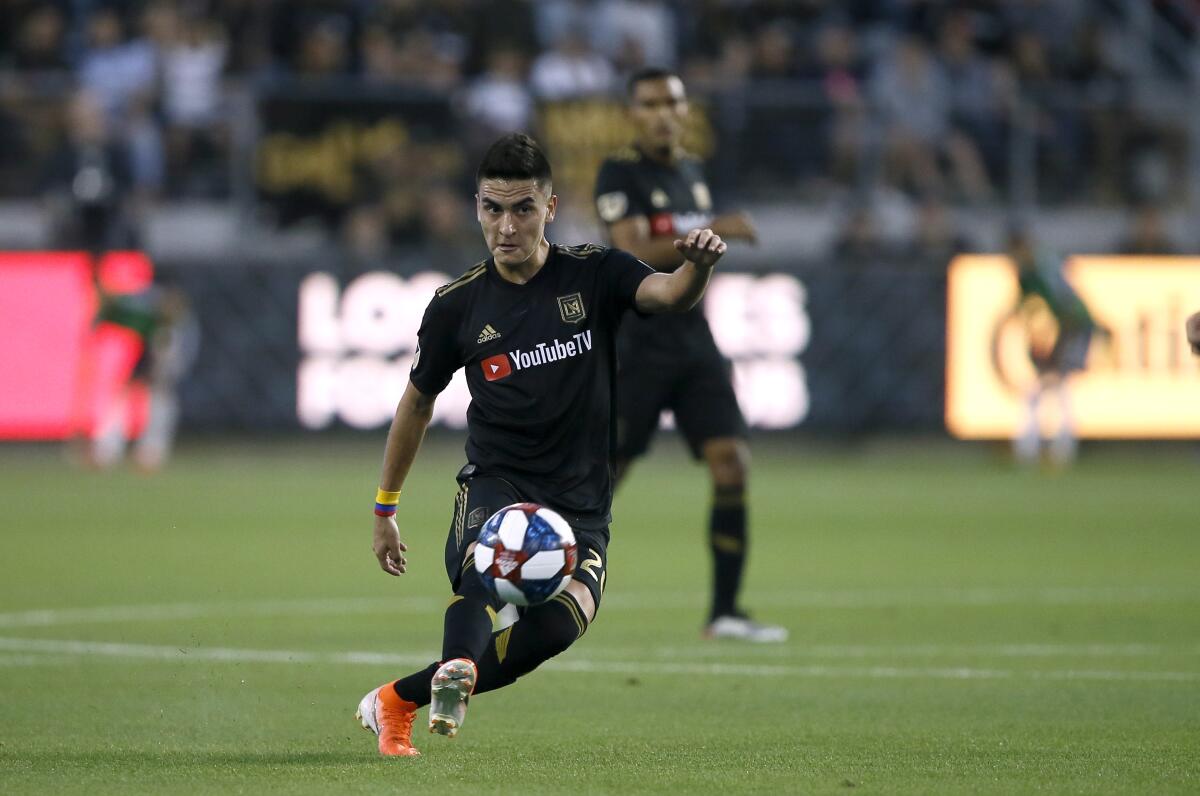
{"points": [[698, 390], [481, 496]]}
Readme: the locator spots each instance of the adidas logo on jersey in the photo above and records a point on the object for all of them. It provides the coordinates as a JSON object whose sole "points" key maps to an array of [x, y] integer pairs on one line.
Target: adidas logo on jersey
{"points": [[487, 334]]}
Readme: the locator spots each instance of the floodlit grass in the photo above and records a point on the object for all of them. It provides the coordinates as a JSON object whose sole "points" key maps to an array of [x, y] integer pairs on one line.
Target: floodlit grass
{"points": [[957, 626]]}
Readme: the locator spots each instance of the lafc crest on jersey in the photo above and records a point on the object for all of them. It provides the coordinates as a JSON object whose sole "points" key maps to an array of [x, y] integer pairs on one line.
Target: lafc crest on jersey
{"points": [[571, 308]]}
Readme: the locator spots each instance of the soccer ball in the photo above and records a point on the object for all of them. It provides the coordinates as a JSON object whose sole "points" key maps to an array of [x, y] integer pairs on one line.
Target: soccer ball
{"points": [[525, 554]]}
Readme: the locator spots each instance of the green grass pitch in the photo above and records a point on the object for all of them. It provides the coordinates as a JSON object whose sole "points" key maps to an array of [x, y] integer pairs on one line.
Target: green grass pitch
{"points": [[957, 626]]}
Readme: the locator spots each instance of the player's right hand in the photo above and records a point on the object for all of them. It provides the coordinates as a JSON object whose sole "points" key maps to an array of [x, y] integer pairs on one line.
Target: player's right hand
{"points": [[702, 247], [389, 550]]}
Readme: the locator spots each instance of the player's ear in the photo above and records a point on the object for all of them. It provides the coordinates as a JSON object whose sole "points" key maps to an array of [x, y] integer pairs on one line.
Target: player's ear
{"points": [[551, 206], [478, 209]]}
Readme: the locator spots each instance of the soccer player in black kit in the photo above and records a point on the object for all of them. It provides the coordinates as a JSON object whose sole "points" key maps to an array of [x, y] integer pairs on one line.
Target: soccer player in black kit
{"points": [[535, 327], [649, 195]]}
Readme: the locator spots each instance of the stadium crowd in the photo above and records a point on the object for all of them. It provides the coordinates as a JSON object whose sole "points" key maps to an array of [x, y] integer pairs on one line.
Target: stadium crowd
{"points": [[922, 98]]}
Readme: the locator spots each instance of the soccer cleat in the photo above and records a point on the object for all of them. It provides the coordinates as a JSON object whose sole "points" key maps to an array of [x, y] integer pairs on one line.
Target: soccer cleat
{"points": [[384, 713], [452, 684], [743, 628]]}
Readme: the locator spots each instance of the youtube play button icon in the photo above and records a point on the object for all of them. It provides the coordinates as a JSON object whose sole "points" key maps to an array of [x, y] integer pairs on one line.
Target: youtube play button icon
{"points": [[496, 368]]}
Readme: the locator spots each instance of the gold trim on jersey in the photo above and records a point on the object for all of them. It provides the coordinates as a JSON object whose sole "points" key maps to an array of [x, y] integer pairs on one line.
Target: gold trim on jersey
{"points": [[582, 251], [473, 273]]}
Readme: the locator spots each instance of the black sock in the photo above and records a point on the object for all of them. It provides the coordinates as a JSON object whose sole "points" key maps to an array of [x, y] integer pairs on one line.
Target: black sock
{"points": [[727, 539], [541, 633], [416, 687], [466, 632], [468, 625]]}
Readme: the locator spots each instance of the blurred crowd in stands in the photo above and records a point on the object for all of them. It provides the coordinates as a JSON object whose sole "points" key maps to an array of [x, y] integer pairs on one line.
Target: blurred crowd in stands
{"points": [[930, 101]]}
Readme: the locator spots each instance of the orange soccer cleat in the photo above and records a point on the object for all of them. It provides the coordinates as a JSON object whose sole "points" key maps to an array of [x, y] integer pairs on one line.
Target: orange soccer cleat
{"points": [[384, 713]]}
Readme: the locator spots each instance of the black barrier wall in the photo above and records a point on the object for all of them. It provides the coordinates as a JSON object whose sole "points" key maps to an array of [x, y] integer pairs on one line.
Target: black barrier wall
{"points": [[825, 349]]}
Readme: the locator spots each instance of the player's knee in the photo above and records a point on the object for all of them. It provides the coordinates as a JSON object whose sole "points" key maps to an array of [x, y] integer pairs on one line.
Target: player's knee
{"points": [[583, 598], [560, 626], [729, 462]]}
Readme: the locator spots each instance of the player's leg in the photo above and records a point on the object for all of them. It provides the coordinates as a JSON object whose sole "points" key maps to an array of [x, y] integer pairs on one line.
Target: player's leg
{"points": [[154, 444], [708, 415], [549, 629], [1028, 441], [467, 629], [1070, 356], [728, 460], [111, 432]]}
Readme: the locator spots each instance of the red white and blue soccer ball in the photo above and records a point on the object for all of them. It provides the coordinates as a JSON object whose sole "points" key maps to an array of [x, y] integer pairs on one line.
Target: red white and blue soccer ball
{"points": [[525, 553]]}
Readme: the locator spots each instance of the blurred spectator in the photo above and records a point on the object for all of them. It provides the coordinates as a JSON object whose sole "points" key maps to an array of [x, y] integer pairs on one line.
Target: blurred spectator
{"points": [[936, 239], [980, 95], [38, 40], [775, 53], [324, 48], [364, 238], [377, 50], [859, 242], [1147, 233], [1054, 124], [912, 96], [571, 69], [420, 62], [841, 72], [781, 140], [89, 183], [193, 60], [1100, 83], [121, 74], [449, 237], [635, 33], [498, 101]]}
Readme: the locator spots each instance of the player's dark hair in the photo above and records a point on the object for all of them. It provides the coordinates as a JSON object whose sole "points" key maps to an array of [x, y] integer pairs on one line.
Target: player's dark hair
{"points": [[648, 73], [516, 156]]}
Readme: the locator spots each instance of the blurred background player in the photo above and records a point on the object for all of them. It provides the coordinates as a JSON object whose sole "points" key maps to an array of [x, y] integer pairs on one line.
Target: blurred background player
{"points": [[169, 335], [650, 194], [1060, 334]]}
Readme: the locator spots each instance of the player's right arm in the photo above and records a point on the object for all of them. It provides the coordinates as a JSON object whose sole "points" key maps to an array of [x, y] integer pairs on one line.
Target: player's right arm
{"points": [[412, 417], [436, 359]]}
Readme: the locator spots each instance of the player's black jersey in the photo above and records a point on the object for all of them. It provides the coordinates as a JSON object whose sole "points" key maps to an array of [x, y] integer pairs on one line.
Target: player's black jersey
{"points": [[675, 199], [540, 362]]}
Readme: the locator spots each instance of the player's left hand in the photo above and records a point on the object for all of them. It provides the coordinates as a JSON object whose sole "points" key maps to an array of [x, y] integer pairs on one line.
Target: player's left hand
{"points": [[702, 247], [1193, 332]]}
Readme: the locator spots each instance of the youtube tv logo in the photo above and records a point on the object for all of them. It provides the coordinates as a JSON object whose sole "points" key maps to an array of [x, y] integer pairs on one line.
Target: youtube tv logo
{"points": [[496, 368]]}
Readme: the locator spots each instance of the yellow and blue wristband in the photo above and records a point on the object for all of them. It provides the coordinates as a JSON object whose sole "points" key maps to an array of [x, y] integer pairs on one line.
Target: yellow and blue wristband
{"points": [[385, 502]]}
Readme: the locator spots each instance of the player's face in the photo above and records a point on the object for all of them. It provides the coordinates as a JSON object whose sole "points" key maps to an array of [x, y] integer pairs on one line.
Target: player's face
{"points": [[513, 215], [659, 109]]}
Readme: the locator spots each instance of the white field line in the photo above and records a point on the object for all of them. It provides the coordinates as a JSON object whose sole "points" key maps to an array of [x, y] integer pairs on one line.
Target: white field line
{"points": [[849, 598], [100, 649], [853, 651], [49, 617]]}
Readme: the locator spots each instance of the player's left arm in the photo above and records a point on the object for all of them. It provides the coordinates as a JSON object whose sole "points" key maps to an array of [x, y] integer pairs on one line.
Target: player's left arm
{"points": [[682, 288]]}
